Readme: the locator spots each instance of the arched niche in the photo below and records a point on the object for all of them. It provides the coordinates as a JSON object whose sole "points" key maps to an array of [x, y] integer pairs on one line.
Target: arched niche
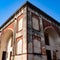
{"points": [[6, 40], [53, 35], [54, 41]]}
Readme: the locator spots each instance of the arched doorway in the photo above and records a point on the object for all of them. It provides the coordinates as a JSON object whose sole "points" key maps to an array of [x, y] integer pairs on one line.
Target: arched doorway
{"points": [[9, 49], [6, 44], [52, 40]]}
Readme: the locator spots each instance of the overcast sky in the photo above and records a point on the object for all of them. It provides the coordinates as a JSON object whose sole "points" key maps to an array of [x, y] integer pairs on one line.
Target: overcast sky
{"points": [[8, 7]]}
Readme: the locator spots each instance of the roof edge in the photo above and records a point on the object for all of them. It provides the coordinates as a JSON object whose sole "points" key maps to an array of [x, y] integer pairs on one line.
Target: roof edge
{"points": [[43, 13], [23, 5], [34, 8]]}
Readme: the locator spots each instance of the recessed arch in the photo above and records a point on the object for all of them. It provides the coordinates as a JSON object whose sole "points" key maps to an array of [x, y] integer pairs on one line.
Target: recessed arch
{"points": [[54, 40], [52, 27], [6, 37]]}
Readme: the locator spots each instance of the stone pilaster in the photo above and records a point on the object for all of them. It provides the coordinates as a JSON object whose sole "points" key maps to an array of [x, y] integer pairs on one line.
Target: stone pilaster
{"points": [[42, 40]]}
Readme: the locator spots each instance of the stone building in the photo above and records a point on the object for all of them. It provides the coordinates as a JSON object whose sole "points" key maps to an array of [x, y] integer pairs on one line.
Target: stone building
{"points": [[30, 34]]}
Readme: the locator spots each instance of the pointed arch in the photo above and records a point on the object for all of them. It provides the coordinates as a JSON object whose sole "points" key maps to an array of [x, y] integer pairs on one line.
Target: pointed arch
{"points": [[5, 39], [54, 40]]}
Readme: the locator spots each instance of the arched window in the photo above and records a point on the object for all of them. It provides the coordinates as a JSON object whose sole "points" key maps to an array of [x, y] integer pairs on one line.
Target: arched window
{"points": [[35, 22], [20, 24], [36, 45], [19, 46]]}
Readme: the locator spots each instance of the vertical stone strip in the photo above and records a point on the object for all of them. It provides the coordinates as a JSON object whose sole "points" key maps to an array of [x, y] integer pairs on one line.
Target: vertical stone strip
{"points": [[42, 40], [25, 31], [14, 38], [29, 41], [29, 33], [24, 56]]}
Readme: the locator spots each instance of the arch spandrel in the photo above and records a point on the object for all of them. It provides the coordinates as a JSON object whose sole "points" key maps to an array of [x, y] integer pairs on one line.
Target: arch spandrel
{"points": [[53, 28], [7, 34], [47, 25]]}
